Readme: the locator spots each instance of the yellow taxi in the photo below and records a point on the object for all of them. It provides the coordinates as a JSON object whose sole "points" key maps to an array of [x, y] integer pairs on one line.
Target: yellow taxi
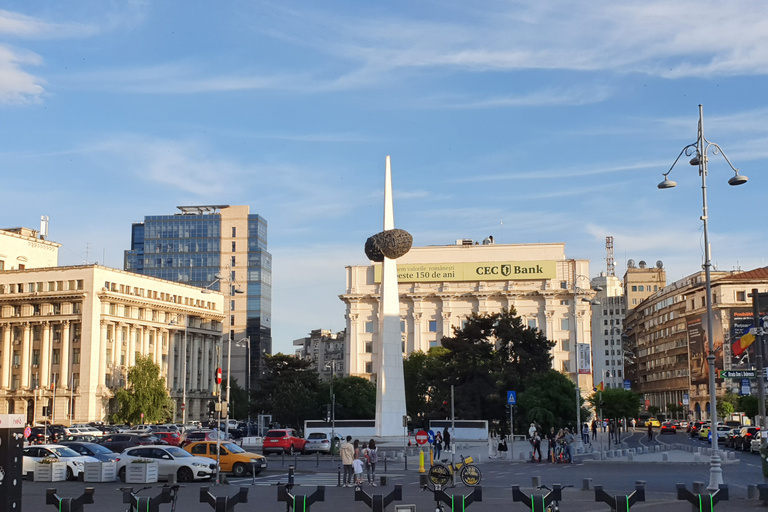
{"points": [[652, 422], [704, 432], [233, 458]]}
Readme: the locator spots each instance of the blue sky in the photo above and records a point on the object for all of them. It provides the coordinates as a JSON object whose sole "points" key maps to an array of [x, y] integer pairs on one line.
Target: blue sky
{"points": [[530, 121]]}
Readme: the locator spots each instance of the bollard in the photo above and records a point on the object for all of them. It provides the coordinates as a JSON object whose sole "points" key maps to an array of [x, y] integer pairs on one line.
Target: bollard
{"points": [[318, 459], [762, 490], [698, 488], [385, 463], [295, 459], [536, 481], [586, 484], [705, 502], [302, 503], [752, 491], [223, 503], [620, 503], [378, 502], [458, 501], [664, 457], [339, 482], [405, 457], [282, 455], [69, 504], [537, 502], [148, 504]]}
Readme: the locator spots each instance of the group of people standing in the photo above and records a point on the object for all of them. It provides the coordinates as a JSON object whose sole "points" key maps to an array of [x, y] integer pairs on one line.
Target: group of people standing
{"points": [[558, 444], [356, 459]]}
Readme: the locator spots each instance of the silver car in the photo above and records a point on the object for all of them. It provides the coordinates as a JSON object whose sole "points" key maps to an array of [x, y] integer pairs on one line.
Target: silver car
{"points": [[318, 442]]}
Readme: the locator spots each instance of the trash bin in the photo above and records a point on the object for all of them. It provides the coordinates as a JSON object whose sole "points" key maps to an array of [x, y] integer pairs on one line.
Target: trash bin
{"points": [[335, 442]]}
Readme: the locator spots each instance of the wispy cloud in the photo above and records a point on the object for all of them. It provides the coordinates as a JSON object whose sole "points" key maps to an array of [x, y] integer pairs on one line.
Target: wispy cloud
{"points": [[21, 26], [17, 86]]}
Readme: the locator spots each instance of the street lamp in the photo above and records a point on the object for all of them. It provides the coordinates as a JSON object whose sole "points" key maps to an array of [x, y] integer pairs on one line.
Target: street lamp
{"points": [[577, 293], [183, 354], [699, 150], [247, 343]]}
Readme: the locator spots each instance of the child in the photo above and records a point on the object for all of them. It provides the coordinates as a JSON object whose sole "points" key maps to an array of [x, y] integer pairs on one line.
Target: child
{"points": [[357, 465]]}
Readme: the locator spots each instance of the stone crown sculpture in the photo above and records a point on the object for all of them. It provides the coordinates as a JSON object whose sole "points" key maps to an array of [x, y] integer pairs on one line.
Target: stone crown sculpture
{"points": [[392, 244]]}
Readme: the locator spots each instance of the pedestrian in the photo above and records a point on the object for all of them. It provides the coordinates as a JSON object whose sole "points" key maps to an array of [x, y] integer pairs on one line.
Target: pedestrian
{"points": [[493, 446], [357, 465], [347, 452], [612, 431], [568, 441], [536, 446], [438, 444], [531, 431], [650, 431], [503, 448], [372, 456], [634, 422], [594, 429], [356, 447], [585, 433], [559, 442], [446, 439], [552, 445]]}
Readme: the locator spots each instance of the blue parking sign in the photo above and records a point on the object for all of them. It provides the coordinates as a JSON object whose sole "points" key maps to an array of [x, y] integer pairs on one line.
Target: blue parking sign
{"points": [[512, 397], [431, 436]]}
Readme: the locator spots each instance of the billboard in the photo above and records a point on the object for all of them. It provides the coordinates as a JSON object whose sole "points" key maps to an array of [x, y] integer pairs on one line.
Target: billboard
{"points": [[742, 334], [698, 341], [479, 271], [585, 363]]}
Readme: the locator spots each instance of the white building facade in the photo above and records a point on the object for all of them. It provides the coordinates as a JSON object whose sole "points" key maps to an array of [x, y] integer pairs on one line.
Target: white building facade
{"points": [[440, 286], [607, 328]]}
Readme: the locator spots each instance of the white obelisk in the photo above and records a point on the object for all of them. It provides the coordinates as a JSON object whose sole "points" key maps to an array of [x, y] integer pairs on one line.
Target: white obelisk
{"points": [[390, 383]]}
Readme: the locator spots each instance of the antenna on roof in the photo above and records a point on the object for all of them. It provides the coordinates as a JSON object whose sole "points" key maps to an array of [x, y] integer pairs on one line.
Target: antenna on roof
{"points": [[43, 227]]}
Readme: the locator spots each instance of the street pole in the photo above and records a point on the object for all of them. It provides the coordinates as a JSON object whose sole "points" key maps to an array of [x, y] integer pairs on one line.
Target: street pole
{"points": [[511, 432], [759, 358], [184, 373], [453, 436]]}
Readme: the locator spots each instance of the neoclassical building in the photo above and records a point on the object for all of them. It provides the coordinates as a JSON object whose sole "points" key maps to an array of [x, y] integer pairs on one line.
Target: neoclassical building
{"points": [[440, 286], [68, 336]]}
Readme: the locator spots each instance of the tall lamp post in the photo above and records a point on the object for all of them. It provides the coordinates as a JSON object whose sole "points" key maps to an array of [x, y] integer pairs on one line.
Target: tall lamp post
{"points": [[700, 150], [183, 354], [577, 293], [246, 342]]}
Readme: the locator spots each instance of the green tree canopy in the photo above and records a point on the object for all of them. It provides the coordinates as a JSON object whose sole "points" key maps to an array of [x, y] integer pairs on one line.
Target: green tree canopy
{"points": [[616, 403], [749, 405], [239, 400], [355, 398], [145, 394], [550, 401], [290, 391]]}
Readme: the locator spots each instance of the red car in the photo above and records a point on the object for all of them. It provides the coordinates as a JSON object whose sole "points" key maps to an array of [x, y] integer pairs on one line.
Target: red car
{"points": [[172, 438], [283, 440]]}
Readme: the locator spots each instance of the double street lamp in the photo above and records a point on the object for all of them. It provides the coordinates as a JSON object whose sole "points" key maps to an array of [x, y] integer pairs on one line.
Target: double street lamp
{"points": [[579, 294], [700, 151]]}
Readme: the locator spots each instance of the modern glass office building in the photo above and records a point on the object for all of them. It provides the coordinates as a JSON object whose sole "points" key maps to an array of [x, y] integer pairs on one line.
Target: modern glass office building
{"points": [[211, 246]]}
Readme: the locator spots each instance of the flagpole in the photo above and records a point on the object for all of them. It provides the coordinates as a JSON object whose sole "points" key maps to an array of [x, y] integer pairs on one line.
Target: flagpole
{"points": [[71, 407]]}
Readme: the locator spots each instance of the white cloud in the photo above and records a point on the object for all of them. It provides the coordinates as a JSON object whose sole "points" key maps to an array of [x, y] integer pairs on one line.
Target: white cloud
{"points": [[18, 87], [27, 27]]}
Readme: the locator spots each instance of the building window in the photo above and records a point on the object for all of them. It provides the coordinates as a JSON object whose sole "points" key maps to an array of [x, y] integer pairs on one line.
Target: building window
{"points": [[618, 373], [566, 345], [565, 302], [369, 328], [605, 322], [634, 288], [606, 352], [75, 380], [15, 382], [233, 261], [641, 288], [234, 246], [634, 302], [564, 285], [532, 323], [564, 324], [433, 326], [402, 325], [369, 347], [56, 356], [234, 231], [741, 296], [76, 356], [35, 357], [606, 343], [368, 367]]}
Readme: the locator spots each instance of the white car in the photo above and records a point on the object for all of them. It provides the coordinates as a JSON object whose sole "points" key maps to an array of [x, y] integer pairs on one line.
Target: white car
{"points": [[73, 459], [170, 459]]}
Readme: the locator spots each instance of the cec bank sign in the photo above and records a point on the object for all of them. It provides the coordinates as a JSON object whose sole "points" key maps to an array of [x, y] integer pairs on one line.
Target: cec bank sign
{"points": [[481, 271]]}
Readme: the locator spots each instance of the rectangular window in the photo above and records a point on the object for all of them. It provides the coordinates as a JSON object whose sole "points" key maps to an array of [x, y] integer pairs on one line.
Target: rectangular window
{"points": [[369, 327], [564, 324], [234, 246], [640, 288], [634, 288], [741, 296], [634, 302], [35, 357], [605, 322], [563, 285], [433, 326], [618, 372], [122, 358], [565, 302], [606, 352], [75, 356], [566, 344], [233, 261], [234, 231], [56, 356], [75, 380], [402, 325], [368, 367], [369, 347], [532, 323]]}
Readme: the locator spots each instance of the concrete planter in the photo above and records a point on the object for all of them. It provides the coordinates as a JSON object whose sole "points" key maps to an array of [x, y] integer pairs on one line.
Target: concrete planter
{"points": [[56, 472], [141, 473], [100, 472]]}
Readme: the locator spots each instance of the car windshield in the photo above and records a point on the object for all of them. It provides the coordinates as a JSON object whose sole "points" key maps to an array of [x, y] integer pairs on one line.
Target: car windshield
{"points": [[178, 452], [97, 448], [65, 452], [233, 448]]}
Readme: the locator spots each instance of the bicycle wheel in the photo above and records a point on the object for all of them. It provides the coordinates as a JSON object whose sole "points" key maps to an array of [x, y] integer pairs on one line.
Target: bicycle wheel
{"points": [[439, 474], [470, 475]]}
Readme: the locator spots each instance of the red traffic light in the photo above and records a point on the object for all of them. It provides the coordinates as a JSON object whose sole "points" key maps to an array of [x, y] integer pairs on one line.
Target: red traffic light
{"points": [[218, 375]]}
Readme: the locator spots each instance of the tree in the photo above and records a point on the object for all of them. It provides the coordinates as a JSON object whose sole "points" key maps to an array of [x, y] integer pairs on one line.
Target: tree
{"points": [[239, 401], [550, 401], [355, 398], [144, 394], [653, 410], [290, 391], [616, 403], [749, 405], [727, 404]]}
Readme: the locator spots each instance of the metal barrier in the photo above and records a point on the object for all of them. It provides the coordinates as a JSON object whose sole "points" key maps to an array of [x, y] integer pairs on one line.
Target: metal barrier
{"points": [[620, 503], [299, 502], [704, 502], [458, 502], [148, 504], [223, 503], [69, 504], [378, 502], [537, 502]]}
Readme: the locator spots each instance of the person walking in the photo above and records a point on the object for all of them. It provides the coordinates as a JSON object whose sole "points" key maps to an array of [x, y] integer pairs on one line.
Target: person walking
{"points": [[536, 446], [347, 452], [531, 431], [585, 434], [650, 431], [568, 441], [446, 439], [594, 429], [371, 456], [438, 445]]}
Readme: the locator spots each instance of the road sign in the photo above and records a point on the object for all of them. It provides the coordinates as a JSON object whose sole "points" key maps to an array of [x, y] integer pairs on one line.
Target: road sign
{"points": [[512, 397], [685, 399], [745, 388], [218, 375], [421, 437], [27, 432], [183, 406], [738, 374], [431, 436], [627, 384]]}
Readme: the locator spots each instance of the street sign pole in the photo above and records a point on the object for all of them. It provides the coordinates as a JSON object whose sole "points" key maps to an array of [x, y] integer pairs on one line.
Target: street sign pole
{"points": [[759, 357], [511, 401]]}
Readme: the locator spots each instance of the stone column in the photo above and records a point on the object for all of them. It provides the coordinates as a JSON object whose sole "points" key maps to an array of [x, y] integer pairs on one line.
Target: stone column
{"points": [[64, 374], [195, 345], [418, 329], [351, 349], [26, 362], [205, 378], [158, 349], [131, 355], [7, 350], [45, 356], [103, 344], [170, 348], [145, 350]]}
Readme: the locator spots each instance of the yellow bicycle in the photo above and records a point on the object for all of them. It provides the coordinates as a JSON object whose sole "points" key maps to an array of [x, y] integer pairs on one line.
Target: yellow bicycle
{"points": [[440, 474]]}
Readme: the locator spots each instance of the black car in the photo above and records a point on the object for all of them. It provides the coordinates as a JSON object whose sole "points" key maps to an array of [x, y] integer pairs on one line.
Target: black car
{"points": [[38, 435], [98, 451], [119, 442]]}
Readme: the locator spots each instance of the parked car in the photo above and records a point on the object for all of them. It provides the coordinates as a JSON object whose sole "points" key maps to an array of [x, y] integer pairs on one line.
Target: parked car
{"points": [[233, 458], [668, 428], [94, 450], [171, 460], [318, 442], [172, 438], [744, 440], [722, 432], [40, 435], [85, 438], [73, 459], [730, 437], [284, 440], [695, 426], [120, 442], [192, 436]]}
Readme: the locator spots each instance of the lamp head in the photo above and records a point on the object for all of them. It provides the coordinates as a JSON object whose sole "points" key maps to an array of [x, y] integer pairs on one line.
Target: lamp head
{"points": [[695, 160], [738, 179], [667, 183]]}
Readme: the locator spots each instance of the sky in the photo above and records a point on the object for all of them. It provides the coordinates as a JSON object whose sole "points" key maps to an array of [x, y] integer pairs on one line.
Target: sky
{"points": [[529, 121]]}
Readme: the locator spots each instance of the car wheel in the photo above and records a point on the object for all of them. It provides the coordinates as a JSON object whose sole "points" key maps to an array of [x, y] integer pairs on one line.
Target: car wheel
{"points": [[121, 474], [290, 450], [239, 469], [70, 474], [185, 475]]}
